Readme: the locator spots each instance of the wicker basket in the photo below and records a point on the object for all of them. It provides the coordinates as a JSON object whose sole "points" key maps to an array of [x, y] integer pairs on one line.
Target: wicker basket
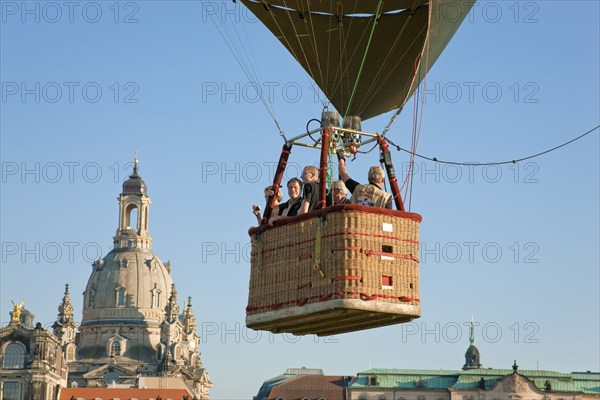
{"points": [[341, 269]]}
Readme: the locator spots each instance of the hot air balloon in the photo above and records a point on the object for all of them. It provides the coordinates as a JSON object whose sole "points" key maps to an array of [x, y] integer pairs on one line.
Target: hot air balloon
{"points": [[345, 268]]}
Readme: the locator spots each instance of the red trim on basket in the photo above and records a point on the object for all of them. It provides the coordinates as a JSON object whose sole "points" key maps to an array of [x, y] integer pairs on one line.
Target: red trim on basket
{"points": [[368, 252], [331, 235], [370, 235], [326, 297], [333, 209]]}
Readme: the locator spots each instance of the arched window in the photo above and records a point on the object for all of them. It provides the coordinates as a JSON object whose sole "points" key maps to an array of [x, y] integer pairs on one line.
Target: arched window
{"points": [[121, 296], [155, 292], [115, 349], [14, 356], [91, 295], [71, 353], [131, 215], [177, 352]]}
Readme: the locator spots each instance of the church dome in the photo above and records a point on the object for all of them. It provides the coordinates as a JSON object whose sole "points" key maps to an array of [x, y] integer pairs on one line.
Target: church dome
{"points": [[128, 285]]}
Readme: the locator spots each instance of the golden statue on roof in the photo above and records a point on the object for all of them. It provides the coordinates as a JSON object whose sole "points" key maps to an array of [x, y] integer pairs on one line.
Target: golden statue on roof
{"points": [[16, 312]]}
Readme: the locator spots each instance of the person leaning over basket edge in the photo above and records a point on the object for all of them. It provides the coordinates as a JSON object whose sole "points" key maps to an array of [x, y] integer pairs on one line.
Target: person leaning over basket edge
{"points": [[370, 194]]}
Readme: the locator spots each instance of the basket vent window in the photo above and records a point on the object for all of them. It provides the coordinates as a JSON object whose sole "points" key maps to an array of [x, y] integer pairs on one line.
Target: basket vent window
{"points": [[387, 249], [386, 281]]}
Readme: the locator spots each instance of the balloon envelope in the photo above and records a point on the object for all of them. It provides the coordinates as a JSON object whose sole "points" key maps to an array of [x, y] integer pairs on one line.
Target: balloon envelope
{"points": [[363, 54]]}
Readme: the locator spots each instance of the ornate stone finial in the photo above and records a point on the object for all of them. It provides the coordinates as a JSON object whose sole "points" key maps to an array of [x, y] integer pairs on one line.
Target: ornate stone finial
{"points": [[172, 308], [515, 367], [65, 309], [189, 320], [15, 314]]}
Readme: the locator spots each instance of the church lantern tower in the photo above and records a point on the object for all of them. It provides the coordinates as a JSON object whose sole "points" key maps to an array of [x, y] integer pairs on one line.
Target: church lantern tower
{"points": [[472, 357]]}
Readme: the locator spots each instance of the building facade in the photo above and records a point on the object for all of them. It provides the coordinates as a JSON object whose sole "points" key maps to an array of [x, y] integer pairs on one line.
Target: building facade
{"points": [[304, 384], [472, 382], [32, 365], [133, 333]]}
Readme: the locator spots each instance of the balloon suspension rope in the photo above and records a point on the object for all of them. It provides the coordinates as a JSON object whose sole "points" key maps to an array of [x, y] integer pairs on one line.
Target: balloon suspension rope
{"points": [[362, 63]]}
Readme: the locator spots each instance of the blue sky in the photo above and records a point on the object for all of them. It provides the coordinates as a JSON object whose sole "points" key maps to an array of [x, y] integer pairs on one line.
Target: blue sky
{"points": [[516, 245]]}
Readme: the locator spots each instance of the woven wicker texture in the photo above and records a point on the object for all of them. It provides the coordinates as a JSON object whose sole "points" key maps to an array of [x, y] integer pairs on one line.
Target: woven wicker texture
{"points": [[355, 255]]}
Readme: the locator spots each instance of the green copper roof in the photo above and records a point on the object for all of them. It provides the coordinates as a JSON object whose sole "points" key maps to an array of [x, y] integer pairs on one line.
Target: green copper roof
{"points": [[458, 379]]}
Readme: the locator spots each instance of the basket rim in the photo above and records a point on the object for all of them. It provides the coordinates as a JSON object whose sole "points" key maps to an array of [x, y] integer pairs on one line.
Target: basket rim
{"points": [[335, 209]]}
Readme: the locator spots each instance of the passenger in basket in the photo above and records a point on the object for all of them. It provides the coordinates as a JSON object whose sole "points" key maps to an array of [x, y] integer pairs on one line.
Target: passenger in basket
{"points": [[291, 207], [339, 192], [268, 192], [310, 177], [370, 194]]}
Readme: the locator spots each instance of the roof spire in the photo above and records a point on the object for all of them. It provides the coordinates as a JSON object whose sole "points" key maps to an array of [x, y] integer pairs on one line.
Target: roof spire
{"points": [[189, 320], [472, 334], [65, 322], [65, 308], [172, 308], [135, 163], [472, 357]]}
